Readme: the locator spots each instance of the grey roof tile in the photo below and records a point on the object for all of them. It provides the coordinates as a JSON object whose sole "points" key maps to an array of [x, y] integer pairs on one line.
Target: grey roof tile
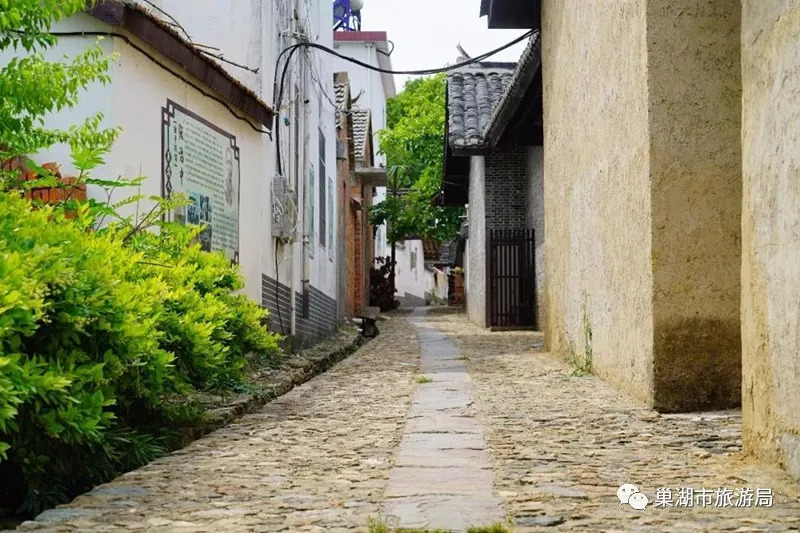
{"points": [[341, 91], [473, 92], [529, 63], [361, 123]]}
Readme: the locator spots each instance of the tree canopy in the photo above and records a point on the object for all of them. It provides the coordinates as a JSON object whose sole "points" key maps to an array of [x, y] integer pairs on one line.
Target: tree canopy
{"points": [[413, 142]]}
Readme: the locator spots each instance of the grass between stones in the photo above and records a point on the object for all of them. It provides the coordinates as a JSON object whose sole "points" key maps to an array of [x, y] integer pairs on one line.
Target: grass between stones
{"points": [[423, 379], [380, 525]]}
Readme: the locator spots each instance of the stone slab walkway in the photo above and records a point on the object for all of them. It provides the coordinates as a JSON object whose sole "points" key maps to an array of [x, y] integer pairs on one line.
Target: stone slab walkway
{"points": [[563, 445], [443, 475]]}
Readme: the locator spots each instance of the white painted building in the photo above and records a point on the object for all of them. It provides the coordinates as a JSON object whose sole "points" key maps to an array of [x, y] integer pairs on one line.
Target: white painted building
{"points": [[200, 125], [372, 89]]}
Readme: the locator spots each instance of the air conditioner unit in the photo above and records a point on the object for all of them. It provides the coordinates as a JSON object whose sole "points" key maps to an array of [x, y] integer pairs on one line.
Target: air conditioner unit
{"points": [[281, 208]]}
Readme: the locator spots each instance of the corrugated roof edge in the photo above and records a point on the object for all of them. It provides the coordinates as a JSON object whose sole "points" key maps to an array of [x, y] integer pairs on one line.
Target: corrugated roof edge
{"points": [[461, 141], [528, 65], [144, 25]]}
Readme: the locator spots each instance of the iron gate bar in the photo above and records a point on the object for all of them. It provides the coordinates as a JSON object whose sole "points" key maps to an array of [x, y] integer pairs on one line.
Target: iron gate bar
{"points": [[511, 276]]}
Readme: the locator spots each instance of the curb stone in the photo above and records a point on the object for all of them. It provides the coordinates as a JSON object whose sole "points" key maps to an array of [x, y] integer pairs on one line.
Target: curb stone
{"points": [[293, 371]]}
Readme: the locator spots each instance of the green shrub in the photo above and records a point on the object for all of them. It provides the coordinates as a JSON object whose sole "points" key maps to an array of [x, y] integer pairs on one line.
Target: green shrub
{"points": [[206, 324], [98, 327], [78, 337], [95, 328]]}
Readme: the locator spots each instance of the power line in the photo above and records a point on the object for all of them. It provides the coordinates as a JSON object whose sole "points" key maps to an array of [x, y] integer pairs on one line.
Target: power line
{"points": [[189, 38], [152, 58], [279, 88], [291, 49]]}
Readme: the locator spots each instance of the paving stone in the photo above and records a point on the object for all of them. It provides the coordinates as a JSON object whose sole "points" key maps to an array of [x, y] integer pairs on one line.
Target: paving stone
{"points": [[445, 423], [451, 513], [511, 433], [414, 481], [534, 521], [442, 441], [553, 436], [461, 458], [442, 480], [316, 459]]}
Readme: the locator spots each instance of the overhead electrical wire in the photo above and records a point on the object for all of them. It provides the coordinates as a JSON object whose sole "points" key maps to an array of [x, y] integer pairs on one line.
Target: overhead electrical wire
{"points": [[156, 61], [279, 87], [174, 22]]}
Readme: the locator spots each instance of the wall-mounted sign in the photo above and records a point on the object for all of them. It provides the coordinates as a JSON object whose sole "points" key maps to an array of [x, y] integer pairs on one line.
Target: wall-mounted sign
{"points": [[202, 161]]}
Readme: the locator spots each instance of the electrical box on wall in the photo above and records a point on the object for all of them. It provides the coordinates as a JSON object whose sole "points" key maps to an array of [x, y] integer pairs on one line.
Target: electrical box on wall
{"points": [[281, 208], [341, 149]]}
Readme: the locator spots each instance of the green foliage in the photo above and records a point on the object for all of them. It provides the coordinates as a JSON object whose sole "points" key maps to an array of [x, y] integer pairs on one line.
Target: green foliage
{"points": [[104, 325], [581, 363], [206, 324], [78, 337], [498, 527], [96, 328], [32, 87], [413, 142], [381, 288]]}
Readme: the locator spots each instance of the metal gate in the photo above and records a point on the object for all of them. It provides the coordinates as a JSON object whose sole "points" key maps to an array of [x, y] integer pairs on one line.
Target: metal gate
{"points": [[511, 276]]}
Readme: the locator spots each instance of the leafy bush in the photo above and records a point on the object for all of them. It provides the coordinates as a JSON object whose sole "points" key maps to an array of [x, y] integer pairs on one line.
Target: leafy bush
{"points": [[78, 337], [381, 291], [206, 324], [94, 331], [101, 320]]}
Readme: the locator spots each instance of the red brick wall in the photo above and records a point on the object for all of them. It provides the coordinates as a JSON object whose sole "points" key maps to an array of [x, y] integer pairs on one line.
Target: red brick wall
{"points": [[348, 224], [47, 195]]}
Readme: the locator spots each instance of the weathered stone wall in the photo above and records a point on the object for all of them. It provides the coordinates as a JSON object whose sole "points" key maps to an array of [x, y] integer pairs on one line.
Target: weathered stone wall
{"points": [[476, 256], [771, 225], [694, 83], [597, 187], [534, 214], [643, 187]]}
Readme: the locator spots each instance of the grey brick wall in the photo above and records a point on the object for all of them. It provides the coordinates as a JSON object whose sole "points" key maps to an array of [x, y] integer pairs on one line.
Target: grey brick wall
{"points": [[506, 191], [320, 324], [506, 179]]}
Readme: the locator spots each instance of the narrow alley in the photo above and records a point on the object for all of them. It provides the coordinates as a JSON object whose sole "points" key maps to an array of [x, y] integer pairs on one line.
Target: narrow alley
{"points": [[440, 424]]}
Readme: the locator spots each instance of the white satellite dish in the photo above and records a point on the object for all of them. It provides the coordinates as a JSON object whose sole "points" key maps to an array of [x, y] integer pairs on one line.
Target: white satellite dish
{"points": [[356, 5]]}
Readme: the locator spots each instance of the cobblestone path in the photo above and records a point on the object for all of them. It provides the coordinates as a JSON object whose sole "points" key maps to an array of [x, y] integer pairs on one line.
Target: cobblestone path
{"points": [[315, 460], [443, 470], [361, 439], [562, 445]]}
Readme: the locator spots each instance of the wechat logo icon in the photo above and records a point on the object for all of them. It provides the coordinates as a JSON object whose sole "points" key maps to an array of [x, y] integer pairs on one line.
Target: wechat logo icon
{"points": [[629, 494]]}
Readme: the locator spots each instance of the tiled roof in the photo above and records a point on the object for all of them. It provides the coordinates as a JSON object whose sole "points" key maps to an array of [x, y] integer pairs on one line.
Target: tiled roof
{"points": [[164, 38], [361, 122], [529, 63], [442, 254], [473, 92], [341, 90]]}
